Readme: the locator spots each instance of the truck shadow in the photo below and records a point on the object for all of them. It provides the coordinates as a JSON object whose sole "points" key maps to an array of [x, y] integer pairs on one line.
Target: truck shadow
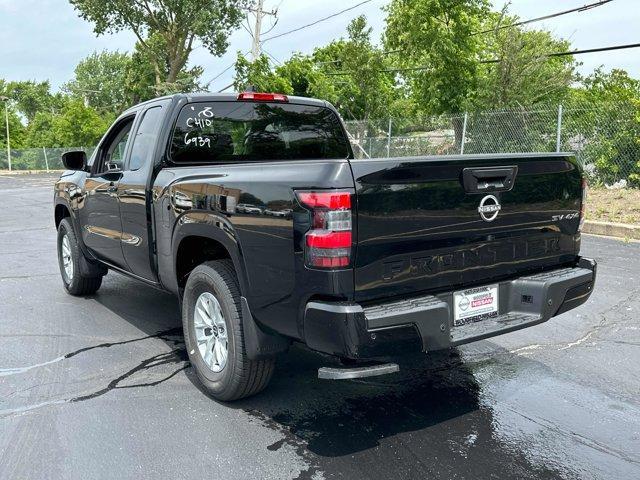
{"points": [[428, 419], [339, 418]]}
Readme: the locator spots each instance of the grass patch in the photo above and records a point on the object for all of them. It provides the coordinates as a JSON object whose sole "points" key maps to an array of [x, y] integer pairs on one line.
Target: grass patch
{"points": [[619, 206]]}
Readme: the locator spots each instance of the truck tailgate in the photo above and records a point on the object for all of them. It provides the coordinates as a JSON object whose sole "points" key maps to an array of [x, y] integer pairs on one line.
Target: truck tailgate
{"points": [[420, 228]]}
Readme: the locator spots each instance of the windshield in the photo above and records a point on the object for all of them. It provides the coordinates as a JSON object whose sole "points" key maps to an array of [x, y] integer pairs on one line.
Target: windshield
{"points": [[214, 132]]}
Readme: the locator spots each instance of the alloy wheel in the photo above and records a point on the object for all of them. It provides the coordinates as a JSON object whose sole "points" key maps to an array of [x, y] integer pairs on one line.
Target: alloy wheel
{"points": [[67, 261], [211, 332]]}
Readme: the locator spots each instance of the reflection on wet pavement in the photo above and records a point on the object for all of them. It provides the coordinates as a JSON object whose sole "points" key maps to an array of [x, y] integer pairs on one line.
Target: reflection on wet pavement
{"points": [[428, 421]]}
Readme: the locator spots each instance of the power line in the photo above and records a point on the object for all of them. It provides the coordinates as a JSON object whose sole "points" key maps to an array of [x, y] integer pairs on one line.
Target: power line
{"points": [[220, 74], [577, 52], [316, 22], [497, 60], [272, 26], [274, 13], [246, 27], [523, 22], [226, 88], [272, 57], [511, 25], [547, 17]]}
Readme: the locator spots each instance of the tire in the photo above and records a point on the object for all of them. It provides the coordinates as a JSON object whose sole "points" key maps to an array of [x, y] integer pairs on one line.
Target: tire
{"points": [[239, 377], [75, 280]]}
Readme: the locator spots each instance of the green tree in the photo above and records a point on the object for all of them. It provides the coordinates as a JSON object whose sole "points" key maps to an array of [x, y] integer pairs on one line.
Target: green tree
{"points": [[76, 125], [112, 81], [299, 76], [40, 132], [177, 25], [149, 68], [79, 125], [522, 75], [306, 77], [31, 97], [351, 73], [361, 85], [259, 76], [438, 37], [605, 87], [99, 80], [17, 130], [605, 111]]}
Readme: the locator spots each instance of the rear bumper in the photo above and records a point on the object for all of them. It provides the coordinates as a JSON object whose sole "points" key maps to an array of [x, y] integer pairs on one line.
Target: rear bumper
{"points": [[426, 323]]}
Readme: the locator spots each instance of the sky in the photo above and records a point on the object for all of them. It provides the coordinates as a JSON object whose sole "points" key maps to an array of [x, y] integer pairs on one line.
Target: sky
{"points": [[45, 39]]}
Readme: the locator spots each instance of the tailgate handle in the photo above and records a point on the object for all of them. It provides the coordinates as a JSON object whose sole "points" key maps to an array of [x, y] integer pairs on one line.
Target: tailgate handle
{"points": [[489, 179]]}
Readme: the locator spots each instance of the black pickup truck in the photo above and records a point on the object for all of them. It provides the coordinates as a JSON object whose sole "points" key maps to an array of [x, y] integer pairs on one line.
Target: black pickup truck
{"points": [[252, 209]]}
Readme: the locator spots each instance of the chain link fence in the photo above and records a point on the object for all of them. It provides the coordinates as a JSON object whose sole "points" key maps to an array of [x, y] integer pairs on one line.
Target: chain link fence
{"points": [[37, 158], [605, 138]]}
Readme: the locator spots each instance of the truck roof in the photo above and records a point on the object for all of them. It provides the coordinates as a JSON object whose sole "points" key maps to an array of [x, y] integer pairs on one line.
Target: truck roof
{"points": [[228, 97]]}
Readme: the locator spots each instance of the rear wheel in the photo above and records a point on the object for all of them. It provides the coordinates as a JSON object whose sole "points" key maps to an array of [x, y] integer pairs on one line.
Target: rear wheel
{"points": [[75, 281], [212, 321]]}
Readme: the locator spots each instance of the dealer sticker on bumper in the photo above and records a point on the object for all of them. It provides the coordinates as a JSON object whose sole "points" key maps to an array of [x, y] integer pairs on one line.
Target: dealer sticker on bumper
{"points": [[475, 304]]}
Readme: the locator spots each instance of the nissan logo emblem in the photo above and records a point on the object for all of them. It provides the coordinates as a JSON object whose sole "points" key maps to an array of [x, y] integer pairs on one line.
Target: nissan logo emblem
{"points": [[489, 208]]}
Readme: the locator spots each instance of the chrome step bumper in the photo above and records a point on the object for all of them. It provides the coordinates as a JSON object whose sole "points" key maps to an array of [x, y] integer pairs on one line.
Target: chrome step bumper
{"points": [[335, 373], [524, 301], [353, 331]]}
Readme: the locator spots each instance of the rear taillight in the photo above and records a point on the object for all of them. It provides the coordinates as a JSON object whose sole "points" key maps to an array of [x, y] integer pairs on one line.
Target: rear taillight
{"points": [[328, 241], [583, 205]]}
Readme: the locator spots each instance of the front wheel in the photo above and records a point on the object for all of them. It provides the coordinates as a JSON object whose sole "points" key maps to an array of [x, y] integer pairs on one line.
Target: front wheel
{"points": [[214, 337], [75, 281]]}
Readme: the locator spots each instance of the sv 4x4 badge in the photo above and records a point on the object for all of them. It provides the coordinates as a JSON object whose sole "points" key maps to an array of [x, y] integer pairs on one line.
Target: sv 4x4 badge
{"points": [[566, 216]]}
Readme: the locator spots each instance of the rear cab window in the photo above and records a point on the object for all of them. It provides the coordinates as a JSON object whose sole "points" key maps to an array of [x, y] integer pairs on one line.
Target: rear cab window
{"points": [[229, 132]]}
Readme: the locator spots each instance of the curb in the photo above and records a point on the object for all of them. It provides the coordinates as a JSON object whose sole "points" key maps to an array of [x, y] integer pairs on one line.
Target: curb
{"points": [[29, 172], [622, 230]]}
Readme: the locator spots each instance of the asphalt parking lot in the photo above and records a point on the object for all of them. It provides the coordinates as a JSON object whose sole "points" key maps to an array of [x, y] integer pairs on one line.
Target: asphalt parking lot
{"points": [[100, 387]]}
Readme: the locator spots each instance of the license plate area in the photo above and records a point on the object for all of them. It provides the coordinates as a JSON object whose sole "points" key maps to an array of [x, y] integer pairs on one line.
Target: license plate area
{"points": [[475, 304]]}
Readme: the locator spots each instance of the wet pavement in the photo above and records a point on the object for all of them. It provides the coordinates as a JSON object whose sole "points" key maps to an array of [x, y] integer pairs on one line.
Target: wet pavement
{"points": [[100, 387]]}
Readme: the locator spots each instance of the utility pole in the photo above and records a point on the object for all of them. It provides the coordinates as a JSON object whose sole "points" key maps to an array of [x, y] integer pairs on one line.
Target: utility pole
{"points": [[259, 12], [6, 119]]}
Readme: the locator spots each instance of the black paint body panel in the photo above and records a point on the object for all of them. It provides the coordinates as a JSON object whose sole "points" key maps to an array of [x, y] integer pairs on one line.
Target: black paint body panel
{"points": [[267, 250], [420, 231]]}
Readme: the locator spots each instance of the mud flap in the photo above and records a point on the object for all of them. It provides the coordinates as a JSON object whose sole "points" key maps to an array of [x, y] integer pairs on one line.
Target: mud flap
{"points": [[259, 344], [91, 269]]}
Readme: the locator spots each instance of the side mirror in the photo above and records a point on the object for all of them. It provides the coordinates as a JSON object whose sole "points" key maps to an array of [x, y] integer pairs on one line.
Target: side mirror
{"points": [[75, 160], [112, 167]]}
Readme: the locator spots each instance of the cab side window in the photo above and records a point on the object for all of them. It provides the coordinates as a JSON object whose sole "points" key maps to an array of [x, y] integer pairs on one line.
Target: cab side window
{"points": [[145, 140], [112, 151], [115, 154]]}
